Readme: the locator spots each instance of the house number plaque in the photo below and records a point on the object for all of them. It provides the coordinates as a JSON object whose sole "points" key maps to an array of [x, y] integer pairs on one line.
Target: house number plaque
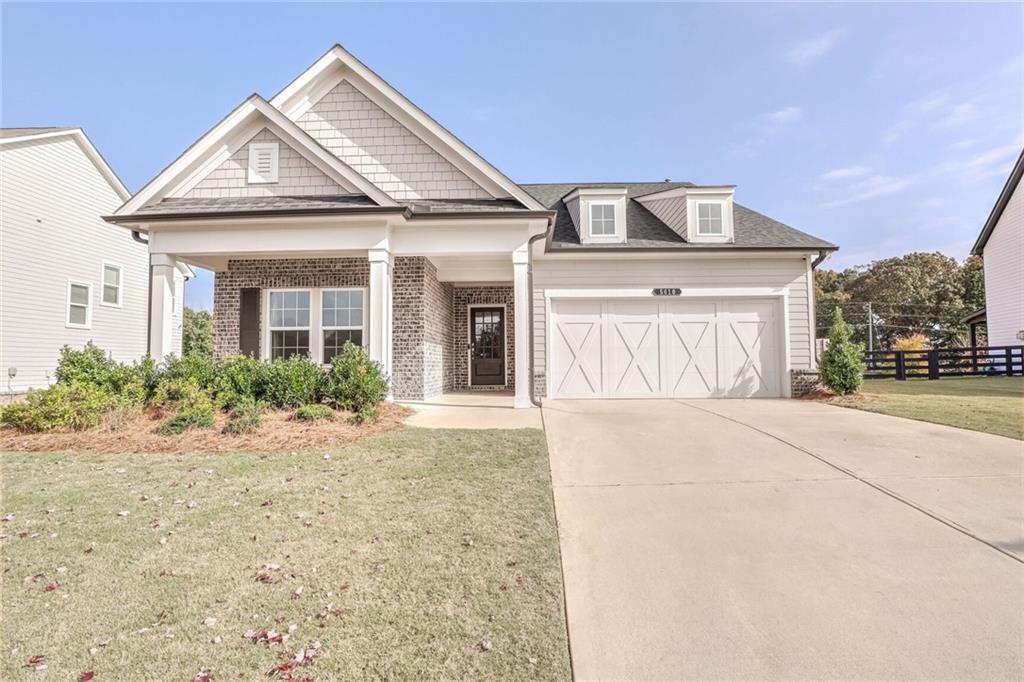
{"points": [[667, 292]]}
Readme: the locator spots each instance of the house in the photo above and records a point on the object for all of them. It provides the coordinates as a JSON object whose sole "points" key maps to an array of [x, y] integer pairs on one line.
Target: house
{"points": [[1001, 246], [339, 211], [66, 275]]}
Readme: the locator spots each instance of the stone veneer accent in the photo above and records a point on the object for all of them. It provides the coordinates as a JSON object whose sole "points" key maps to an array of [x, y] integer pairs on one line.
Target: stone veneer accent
{"points": [[422, 333], [269, 274], [802, 381], [482, 295]]}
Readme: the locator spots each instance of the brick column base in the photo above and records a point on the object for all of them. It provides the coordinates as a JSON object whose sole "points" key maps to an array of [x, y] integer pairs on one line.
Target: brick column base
{"points": [[802, 381]]}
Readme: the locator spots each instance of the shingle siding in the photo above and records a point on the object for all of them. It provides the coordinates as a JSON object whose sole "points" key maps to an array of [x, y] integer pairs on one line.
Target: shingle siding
{"points": [[296, 175], [382, 150]]}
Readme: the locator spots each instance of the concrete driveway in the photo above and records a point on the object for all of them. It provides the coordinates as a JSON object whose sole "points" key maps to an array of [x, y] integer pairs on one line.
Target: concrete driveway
{"points": [[780, 539]]}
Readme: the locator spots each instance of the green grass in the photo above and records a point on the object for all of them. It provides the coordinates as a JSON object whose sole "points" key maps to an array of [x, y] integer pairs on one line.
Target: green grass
{"points": [[411, 548], [989, 404]]}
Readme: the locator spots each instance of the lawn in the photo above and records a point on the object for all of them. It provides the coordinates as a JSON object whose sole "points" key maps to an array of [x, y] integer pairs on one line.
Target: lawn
{"points": [[417, 554], [990, 404]]}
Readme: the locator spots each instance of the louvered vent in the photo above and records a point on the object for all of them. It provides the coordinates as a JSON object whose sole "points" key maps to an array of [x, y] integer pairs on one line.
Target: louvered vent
{"points": [[263, 162]]}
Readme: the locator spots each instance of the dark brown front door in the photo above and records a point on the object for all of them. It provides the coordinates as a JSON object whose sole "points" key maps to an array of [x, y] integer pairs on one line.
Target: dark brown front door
{"points": [[487, 346]]}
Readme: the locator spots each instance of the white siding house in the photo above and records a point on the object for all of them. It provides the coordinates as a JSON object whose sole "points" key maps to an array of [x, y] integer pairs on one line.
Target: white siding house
{"points": [[1001, 246], [66, 276]]}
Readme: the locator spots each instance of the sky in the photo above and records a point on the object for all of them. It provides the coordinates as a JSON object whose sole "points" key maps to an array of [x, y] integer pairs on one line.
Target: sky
{"points": [[884, 128]]}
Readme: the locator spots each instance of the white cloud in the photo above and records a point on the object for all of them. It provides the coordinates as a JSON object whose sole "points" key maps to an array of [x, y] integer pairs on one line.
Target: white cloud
{"points": [[871, 187], [846, 173], [813, 49], [993, 162], [785, 116], [762, 129]]}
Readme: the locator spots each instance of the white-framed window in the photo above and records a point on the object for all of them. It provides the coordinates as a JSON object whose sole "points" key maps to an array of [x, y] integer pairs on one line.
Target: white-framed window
{"points": [[263, 162], [289, 323], [79, 308], [709, 219], [112, 285], [342, 319], [602, 220]]}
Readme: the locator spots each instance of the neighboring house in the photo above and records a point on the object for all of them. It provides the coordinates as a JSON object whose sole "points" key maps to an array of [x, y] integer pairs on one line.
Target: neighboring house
{"points": [[339, 211], [66, 276], [1001, 246]]}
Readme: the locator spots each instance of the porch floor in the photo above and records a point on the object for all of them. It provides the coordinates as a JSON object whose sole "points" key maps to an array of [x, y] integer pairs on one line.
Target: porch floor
{"points": [[473, 410]]}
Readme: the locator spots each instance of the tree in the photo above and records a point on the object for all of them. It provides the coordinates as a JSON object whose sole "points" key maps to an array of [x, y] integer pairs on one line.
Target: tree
{"points": [[197, 332], [842, 366]]}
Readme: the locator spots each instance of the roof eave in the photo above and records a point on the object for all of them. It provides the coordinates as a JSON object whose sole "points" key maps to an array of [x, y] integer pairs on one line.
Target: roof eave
{"points": [[997, 210]]}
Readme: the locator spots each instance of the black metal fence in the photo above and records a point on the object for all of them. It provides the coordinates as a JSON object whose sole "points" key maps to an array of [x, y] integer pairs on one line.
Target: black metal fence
{"points": [[944, 362]]}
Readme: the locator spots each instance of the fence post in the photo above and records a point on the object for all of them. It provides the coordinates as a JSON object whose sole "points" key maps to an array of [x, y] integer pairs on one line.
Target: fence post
{"points": [[933, 364], [901, 367], [1009, 362]]}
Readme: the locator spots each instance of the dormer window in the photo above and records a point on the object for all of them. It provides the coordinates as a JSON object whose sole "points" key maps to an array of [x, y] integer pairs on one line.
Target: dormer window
{"points": [[709, 219], [263, 162], [602, 220]]}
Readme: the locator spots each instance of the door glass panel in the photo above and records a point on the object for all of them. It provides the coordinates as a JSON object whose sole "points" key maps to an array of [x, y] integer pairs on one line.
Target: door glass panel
{"points": [[487, 335]]}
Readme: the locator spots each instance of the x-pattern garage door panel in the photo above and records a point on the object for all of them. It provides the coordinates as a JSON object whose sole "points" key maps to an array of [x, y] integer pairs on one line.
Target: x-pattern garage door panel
{"points": [[689, 348]]}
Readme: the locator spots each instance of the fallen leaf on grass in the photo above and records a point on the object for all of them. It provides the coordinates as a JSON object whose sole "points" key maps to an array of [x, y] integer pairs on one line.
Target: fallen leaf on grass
{"points": [[264, 577], [203, 677], [486, 645], [267, 503], [8, 517], [86, 676], [36, 662], [123, 512], [297, 593], [267, 637], [210, 621], [51, 587]]}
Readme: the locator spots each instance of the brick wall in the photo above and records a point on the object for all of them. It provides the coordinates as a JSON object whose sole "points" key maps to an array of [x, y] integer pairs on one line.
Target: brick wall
{"points": [[267, 274], [421, 337], [296, 176], [463, 298], [802, 381], [382, 150]]}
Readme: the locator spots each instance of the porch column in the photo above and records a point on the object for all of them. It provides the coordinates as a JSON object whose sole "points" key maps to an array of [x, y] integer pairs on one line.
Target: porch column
{"points": [[161, 306], [380, 309], [520, 282]]}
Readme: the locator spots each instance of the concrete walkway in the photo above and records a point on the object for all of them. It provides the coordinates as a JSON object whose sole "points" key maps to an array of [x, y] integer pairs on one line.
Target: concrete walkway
{"points": [[473, 410], [785, 540]]}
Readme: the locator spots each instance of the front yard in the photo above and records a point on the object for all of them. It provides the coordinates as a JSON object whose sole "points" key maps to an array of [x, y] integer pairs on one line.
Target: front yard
{"points": [[989, 404], [414, 554]]}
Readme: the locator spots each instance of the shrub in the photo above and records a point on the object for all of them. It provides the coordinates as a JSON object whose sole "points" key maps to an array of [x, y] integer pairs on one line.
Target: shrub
{"points": [[245, 417], [198, 416], [238, 379], [201, 368], [911, 342], [356, 383], [294, 381], [133, 383], [842, 365], [74, 406], [179, 391], [314, 412]]}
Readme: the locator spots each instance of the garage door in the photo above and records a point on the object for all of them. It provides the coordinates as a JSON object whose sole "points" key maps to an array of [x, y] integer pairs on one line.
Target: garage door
{"points": [[690, 348]]}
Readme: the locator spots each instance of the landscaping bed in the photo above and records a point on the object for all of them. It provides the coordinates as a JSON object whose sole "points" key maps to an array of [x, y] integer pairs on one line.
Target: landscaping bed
{"points": [[415, 554]]}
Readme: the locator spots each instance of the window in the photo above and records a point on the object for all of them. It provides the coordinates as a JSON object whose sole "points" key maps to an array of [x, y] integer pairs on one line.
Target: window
{"points": [[111, 285], [262, 162], [289, 323], [709, 219], [341, 320], [602, 220], [79, 304]]}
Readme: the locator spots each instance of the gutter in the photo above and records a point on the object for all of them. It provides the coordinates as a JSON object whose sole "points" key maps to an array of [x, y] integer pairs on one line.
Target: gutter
{"points": [[686, 248], [822, 255], [529, 299]]}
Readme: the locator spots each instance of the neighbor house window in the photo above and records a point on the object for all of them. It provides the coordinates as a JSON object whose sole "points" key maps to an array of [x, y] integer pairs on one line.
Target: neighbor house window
{"points": [[79, 304], [602, 220], [709, 219], [111, 285], [289, 323], [341, 320]]}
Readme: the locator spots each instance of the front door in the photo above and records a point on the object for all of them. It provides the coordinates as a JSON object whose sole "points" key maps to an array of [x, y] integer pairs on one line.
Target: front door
{"points": [[487, 347]]}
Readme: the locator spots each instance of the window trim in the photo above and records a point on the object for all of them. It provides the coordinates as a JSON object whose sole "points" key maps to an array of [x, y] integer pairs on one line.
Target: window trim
{"points": [[315, 328], [88, 306], [721, 218], [120, 284], [252, 176], [268, 329], [324, 328], [590, 220]]}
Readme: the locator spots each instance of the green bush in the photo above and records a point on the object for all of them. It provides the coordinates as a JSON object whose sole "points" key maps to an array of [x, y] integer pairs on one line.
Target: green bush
{"points": [[356, 383], [294, 381], [842, 364], [313, 413], [180, 391], [73, 406], [238, 379], [200, 368], [133, 383], [199, 416], [245, 417]]}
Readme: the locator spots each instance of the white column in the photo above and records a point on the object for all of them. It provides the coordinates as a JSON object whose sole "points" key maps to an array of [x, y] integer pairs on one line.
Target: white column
{"points": [[161, 303], [520, 282], [380, 308]]}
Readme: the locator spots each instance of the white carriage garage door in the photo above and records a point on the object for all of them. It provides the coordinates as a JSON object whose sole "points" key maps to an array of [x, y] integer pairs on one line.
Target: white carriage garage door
{"points": [[683, 348]]}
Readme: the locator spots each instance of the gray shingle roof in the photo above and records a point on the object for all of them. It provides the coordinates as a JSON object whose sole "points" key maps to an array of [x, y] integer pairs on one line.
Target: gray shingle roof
{"points": [[645, 230], [256, 204]]}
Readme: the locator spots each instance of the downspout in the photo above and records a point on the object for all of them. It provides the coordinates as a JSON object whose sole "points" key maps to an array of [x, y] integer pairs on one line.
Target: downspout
{"points": [[529, 298], [137, 236], [822, 255]]}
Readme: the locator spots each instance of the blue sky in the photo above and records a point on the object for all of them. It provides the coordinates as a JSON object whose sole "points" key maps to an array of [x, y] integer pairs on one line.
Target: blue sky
{"points": [[884, 128]]}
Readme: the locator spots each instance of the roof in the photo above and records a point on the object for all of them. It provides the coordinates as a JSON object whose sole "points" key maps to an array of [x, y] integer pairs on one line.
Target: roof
{"points": [[1001, 202], [977, 317], [16, 135], [29, 132], [751, 229]]}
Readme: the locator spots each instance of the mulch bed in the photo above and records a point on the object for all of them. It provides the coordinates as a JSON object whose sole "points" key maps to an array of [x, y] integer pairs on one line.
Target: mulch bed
{"points": [[141, 434], [824, 395]]}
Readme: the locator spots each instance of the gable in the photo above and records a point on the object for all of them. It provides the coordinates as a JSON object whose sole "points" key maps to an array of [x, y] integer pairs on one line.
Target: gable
{"points": [[669, 210], [382, 150], [297, 176]]}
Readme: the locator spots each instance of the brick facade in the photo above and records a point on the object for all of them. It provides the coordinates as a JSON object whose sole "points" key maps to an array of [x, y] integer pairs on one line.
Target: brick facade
{"points": [[802, 381], [481, 295], [422, 333]]}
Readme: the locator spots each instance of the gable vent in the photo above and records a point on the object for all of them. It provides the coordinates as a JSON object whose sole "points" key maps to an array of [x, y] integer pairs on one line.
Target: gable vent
{"points": [[263, 162]]}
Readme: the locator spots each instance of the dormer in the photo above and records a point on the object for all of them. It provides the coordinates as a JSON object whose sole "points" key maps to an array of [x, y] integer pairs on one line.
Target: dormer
{"points": [[700, 215], [599, 214]]}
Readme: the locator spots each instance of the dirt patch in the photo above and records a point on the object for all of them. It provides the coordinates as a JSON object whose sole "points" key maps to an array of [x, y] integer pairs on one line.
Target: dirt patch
{"points": [[141, 434], [824, 395]]}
